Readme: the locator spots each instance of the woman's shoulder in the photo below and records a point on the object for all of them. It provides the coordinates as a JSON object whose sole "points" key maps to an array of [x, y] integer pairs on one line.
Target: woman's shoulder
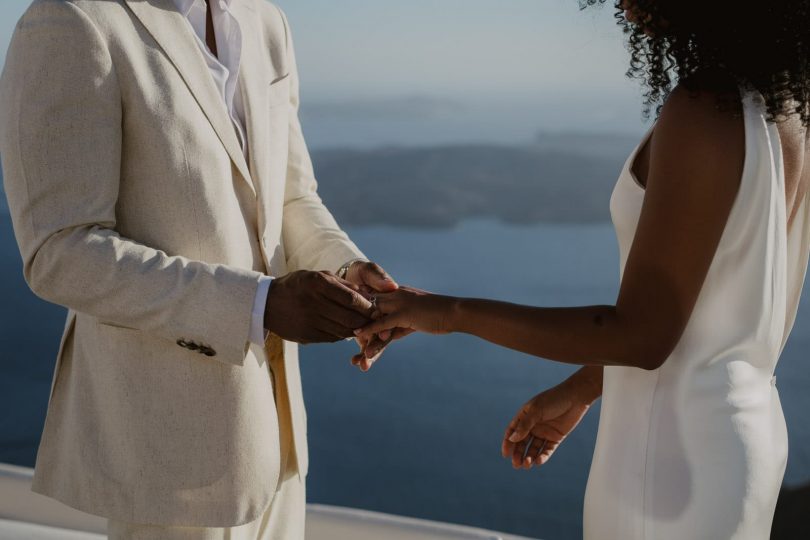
{"points": [[702, 114], [700, 129]]}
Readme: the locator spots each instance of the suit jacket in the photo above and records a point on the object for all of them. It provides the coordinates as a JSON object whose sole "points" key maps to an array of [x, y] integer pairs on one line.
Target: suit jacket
{"points": [[133, 205]]}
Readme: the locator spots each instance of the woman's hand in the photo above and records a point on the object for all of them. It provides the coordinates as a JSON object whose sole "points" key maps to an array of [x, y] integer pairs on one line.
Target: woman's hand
{"points": [[412, 310], [371, 349], [544, 423]]}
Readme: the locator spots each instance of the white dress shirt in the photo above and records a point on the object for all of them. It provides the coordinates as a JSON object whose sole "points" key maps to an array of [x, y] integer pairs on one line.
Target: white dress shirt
{"points": [[224, 69]]}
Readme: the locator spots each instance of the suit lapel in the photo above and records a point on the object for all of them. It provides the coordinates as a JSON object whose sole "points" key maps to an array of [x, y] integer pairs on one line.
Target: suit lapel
{"points": [[251, 86], [172, 33]]}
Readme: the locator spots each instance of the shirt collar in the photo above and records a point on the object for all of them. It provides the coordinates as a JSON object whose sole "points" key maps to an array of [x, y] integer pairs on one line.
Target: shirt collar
{"points": [[184, 6]]}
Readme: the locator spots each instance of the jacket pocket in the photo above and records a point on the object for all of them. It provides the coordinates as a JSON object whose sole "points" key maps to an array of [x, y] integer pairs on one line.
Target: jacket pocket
{"points": [[118, 326], [278, 92]]}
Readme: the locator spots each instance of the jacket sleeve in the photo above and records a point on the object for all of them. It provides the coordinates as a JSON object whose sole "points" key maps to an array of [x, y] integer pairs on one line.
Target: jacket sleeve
{"points": [[61, 141], [312, 238]]}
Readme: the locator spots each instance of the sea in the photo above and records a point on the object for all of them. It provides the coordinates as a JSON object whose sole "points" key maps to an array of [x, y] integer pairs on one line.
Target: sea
{"points": [[420, 434]]}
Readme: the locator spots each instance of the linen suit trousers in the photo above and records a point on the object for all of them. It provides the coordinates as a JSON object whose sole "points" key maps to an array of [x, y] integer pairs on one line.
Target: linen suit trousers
{"points": [[283, 519]]}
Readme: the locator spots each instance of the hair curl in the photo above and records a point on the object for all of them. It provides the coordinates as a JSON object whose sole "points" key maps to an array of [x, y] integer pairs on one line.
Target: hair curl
{"points": [[721, 46]]}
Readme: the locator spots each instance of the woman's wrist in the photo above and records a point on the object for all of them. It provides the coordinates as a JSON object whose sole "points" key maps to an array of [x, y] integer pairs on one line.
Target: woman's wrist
{"points": [[587, 383], [454, 317]]}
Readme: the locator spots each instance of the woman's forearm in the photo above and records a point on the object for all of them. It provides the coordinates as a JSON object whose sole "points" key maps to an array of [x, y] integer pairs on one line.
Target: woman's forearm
{"points": [[589, 336]]}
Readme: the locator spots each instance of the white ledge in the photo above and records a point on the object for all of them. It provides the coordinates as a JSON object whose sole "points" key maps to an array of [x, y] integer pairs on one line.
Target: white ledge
{"points": [[29, 515]]}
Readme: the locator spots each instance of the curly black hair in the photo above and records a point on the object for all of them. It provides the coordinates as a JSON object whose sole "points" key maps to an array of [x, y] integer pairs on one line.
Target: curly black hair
{"points": [[720, 46]]}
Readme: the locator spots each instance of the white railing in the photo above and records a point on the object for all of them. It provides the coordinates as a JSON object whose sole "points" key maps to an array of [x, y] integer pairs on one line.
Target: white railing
{"points": [[30, 516]]}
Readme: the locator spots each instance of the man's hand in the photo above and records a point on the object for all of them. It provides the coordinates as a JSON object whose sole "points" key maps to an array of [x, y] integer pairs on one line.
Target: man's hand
{"points": [[372, 279], [315, 307]]}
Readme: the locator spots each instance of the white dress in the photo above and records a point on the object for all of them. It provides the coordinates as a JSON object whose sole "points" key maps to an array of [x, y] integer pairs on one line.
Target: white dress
{"points": [[697, 449]]}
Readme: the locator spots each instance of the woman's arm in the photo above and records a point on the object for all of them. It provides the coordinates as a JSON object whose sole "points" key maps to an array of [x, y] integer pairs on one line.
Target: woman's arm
{"points": [[695, 167]]}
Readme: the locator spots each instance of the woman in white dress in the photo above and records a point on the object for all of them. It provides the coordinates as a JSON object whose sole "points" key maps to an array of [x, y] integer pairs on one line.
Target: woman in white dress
{"points": [[713, 221]]}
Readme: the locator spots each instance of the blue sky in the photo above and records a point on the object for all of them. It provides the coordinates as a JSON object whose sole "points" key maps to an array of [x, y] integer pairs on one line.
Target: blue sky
{"points": [[510, 59], [457, 45]]}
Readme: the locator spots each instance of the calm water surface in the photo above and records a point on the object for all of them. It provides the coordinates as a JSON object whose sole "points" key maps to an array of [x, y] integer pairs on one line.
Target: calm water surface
{"points": [[420, 434]]}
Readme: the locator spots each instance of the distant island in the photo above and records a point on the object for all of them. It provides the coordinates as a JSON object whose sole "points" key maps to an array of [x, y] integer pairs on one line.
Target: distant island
{"points": [[559, 178], [442, 186]]}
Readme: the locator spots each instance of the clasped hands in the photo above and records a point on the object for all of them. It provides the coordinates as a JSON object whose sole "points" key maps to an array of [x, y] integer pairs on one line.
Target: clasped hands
{"points": [[319, 307]]}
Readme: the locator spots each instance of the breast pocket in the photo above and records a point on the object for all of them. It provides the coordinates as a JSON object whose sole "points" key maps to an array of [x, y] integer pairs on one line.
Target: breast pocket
{"points": [[278, 92]]}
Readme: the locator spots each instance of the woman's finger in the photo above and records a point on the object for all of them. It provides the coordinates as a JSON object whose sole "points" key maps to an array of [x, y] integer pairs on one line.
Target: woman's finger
{"points": [[544, 441], [519, 452], [388, 302], [362, 343], [546, 453], [374, 347], [362, 362], [399, 333], [538, 446], [508, 447], [356, 359], [380, 325], [525, 450], [527, 420]]}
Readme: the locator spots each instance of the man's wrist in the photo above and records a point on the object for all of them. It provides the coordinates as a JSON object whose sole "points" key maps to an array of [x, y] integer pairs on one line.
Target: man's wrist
{"points": [[258, 328]]}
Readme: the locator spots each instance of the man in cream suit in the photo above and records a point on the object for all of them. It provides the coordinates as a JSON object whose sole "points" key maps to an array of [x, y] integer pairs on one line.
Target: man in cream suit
{"points": [[158, 182]]}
